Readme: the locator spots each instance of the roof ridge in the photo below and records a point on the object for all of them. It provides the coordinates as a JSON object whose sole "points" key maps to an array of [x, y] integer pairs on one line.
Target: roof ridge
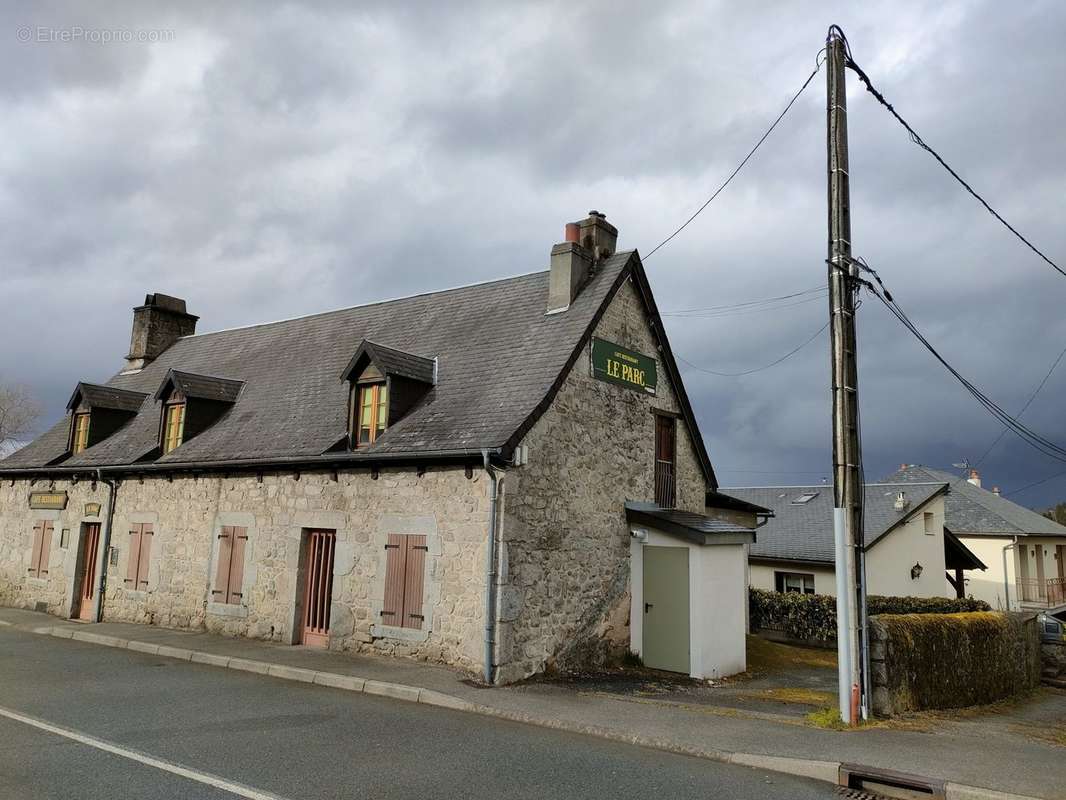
{"points": [[380, 302]]}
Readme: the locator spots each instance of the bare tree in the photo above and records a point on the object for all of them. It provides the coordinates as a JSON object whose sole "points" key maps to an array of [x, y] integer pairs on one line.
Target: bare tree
{"points": [[18, 411]]}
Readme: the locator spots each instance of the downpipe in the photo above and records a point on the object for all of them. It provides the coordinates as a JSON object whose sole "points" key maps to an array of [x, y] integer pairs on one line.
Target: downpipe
{"points": [[105, 544], [490, 573]]}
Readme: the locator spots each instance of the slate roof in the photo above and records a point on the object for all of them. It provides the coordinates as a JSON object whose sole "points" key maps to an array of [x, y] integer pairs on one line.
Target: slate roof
{"points": [[203, 387], [392, 362], [696, 527], [97, 396], [500, 359], [971, 509], [804, 531]]}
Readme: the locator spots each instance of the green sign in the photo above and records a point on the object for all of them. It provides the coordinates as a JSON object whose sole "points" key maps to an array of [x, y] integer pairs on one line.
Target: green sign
{"points": [[53, 500], [617, 364]]}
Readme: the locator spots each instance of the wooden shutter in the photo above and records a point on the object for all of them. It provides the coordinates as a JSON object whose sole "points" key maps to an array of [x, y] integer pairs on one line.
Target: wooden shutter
{"points": [[236, 567], [134, 557], [46, 547], [35, 555], [225, 550], [413, 580], [395, 569], [144, 557]]}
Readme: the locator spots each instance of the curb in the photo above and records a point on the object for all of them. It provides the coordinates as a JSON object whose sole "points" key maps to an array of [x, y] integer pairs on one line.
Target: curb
{"points": [[825, 771]]}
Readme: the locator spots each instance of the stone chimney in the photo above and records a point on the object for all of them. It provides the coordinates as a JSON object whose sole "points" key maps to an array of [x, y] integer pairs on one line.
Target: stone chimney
{"points": [[160, 322], [995, 491], [574, 261], [975, 478], [901, 502]]}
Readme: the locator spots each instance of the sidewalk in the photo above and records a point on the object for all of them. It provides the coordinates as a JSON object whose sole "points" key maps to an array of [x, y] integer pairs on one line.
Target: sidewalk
{"points": [[1006, 752]]}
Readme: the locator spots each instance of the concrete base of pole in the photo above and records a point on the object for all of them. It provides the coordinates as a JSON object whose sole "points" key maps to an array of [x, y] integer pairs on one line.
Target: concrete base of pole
{"points": [[844, 684]]}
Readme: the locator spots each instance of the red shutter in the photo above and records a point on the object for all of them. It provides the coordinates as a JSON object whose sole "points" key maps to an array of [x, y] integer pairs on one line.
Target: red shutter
{"points": [[134, 556], [413, 580], [395, 567], [225, 548], [236, 569], [145, 556], [46, 548]]}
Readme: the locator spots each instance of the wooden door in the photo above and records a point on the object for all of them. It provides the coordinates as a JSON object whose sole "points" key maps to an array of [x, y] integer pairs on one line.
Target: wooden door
{"points": [[318, 587], [90, 547], [666, 609]]}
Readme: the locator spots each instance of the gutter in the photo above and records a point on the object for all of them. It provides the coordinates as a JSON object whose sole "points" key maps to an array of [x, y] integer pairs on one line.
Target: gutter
{"points": [[311, 462], [105, 545], [491, 574]]}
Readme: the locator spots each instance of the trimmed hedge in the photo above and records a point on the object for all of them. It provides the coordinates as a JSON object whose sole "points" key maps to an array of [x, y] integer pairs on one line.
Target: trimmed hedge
{"points": [[813, 617], [925, 661]]}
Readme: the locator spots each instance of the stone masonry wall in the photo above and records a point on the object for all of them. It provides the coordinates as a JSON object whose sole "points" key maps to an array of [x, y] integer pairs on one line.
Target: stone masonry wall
{"points": [[187, 514], [564, 582]]}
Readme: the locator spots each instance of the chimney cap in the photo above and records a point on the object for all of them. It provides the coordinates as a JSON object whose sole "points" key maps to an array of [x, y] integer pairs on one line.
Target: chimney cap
{"points": [[165, 302]]}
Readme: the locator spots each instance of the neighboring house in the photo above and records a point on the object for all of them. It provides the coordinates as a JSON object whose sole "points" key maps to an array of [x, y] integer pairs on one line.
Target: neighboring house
{"points": [[475, 476], [908, 550], [1025, 551]]}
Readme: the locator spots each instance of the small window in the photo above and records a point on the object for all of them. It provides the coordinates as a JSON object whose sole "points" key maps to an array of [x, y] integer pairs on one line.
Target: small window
{"points": [[42, 545], [80, 439], [803, 499], [796, 582], [230, 572], [930, 530], [371, 411], [140, 556], [173, 427], [405, 563]]}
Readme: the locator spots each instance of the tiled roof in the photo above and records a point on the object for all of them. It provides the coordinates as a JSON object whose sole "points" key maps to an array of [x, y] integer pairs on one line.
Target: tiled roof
{"points": [[202, 387], [697, 527], [803, 531], [97, 396], [971, 509], [392, 362], [500, 358]]}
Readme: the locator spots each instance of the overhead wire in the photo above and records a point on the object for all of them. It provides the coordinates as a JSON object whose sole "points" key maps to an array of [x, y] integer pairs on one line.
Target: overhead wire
{"points": [[733, 174], [740, 311], [787, 355], [820, 288], [853, 65], [1035, 483]]}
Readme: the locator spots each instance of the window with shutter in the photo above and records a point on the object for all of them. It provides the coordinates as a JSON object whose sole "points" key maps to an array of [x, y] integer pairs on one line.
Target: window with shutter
{"points": [[140, 556], [42, 544], [405, 562], [229, 573]]}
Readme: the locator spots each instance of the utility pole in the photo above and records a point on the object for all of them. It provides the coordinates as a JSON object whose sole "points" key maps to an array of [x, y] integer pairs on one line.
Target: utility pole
{"points": [[847, 480]]}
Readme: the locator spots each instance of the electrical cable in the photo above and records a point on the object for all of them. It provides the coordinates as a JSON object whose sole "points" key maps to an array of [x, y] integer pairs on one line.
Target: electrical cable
{"points": [[851, 64], [757, 369], [758, 144], [746, 302], [1037, 483], [740, 312], [1028, 403]]}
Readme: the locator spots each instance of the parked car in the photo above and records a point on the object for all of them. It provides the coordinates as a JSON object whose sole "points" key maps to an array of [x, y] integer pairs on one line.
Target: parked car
{"points": [[1052, 629]]}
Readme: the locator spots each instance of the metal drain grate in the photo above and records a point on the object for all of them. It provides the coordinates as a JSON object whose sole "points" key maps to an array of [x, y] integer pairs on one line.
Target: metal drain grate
{"points": [[879, 784], [857, 794]]}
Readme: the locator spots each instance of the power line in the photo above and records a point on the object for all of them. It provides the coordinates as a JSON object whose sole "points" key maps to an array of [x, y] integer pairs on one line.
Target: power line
{"points": [[1037, 483], [921, 143], [743, 309], [1035, 440], [1028, 403], [748, 302], [789, 354], [758, 144]]}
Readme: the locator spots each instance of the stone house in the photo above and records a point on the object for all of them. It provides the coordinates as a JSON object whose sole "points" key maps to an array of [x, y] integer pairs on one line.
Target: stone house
{"points": [[462, 476]]}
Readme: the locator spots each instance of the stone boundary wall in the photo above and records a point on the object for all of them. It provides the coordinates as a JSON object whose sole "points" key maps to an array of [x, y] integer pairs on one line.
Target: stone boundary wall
{"points": [[1053, 655], [931, 661]]}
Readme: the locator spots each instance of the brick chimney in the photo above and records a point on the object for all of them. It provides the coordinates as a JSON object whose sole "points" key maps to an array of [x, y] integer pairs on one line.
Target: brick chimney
{"points": [[975, 478], [160, 322], [574, 260]]}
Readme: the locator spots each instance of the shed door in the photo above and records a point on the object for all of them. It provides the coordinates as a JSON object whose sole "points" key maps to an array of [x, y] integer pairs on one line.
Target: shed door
{"points": [[666, 609]]}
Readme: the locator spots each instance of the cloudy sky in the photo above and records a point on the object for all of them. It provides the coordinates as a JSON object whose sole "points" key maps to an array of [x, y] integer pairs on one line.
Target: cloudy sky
{"points": [[266, 162]]}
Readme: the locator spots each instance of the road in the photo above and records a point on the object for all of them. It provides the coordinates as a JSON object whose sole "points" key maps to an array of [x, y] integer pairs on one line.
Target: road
{"points": [[82, 721]]}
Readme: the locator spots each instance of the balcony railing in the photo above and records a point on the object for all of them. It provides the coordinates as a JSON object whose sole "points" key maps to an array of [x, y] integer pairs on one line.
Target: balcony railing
{"points": [[665, 489], [1048, 592]]}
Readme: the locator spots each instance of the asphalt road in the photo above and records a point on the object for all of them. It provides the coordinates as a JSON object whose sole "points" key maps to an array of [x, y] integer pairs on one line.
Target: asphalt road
{"points": [[82, 721]]}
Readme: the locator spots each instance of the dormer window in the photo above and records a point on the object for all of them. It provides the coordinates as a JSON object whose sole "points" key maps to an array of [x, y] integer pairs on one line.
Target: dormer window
{"points": [[385, 384], [190, 405], [96, 412], [173, 426], [80, 438]]}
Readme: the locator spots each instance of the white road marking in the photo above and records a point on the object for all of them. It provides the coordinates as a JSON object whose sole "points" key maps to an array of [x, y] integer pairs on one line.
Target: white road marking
{"points": [[143, 758]]}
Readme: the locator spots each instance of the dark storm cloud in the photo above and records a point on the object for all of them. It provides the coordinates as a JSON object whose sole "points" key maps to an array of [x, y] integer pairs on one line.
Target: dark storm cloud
{"points": [[268, 161]]}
